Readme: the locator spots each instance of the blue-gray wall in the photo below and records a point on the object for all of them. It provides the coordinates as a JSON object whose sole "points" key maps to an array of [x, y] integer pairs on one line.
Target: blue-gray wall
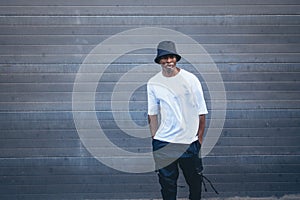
{"points": [[255, 45]]}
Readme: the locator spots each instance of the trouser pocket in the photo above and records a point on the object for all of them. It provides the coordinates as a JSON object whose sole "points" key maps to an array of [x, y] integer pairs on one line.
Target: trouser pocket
{"points": [[165, 153]]}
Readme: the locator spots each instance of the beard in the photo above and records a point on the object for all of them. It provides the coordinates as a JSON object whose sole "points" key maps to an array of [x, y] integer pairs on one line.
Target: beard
{"points": [[169, 68]]}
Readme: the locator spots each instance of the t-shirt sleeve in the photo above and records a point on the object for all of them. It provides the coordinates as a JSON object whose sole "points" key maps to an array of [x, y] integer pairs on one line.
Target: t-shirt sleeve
{"points": [[200, 101], [152, 101]]}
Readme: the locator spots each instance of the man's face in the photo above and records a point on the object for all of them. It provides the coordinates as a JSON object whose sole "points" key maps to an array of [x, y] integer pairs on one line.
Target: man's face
{"points": [[168, 62]]}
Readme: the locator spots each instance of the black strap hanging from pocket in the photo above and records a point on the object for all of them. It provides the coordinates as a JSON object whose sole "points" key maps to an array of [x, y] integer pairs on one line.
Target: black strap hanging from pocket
{"points": [[211, 185]]}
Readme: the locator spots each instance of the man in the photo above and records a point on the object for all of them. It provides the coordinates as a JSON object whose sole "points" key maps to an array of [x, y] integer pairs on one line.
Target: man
{"points": [[176, 113]]}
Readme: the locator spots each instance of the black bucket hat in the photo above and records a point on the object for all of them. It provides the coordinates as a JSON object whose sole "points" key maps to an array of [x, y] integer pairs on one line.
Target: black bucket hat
{"points": [[166, 48]]}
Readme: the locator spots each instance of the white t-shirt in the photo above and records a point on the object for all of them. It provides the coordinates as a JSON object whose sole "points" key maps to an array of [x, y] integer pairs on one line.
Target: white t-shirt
{"points": [[179, 100]]}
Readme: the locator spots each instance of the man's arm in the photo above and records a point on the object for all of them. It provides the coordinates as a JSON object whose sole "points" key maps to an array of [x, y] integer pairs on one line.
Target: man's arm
{"points": [[201, 128], [153, 124]]}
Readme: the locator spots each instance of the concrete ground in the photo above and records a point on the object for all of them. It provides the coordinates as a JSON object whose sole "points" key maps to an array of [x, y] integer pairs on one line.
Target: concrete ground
{"points": [[286, 197]]}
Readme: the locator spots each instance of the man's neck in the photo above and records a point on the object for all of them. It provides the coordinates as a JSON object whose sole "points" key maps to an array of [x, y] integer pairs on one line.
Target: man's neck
{"points": [[170, 72]]}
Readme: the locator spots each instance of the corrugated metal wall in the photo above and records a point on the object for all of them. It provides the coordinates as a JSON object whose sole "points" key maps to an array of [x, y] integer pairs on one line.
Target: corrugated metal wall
{"points": [[255, 45]]}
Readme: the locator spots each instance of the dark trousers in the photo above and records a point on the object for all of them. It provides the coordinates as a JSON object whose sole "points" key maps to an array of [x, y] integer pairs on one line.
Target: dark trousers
{"points": [[168, 158]]}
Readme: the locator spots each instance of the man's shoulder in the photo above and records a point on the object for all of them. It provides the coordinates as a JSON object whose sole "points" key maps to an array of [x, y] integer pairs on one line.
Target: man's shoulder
{"points": [[155, 78], [189, 75]]}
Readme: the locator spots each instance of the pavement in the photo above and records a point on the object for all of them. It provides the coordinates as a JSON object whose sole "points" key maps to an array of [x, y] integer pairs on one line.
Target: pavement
{"points": [[286, 197]]}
